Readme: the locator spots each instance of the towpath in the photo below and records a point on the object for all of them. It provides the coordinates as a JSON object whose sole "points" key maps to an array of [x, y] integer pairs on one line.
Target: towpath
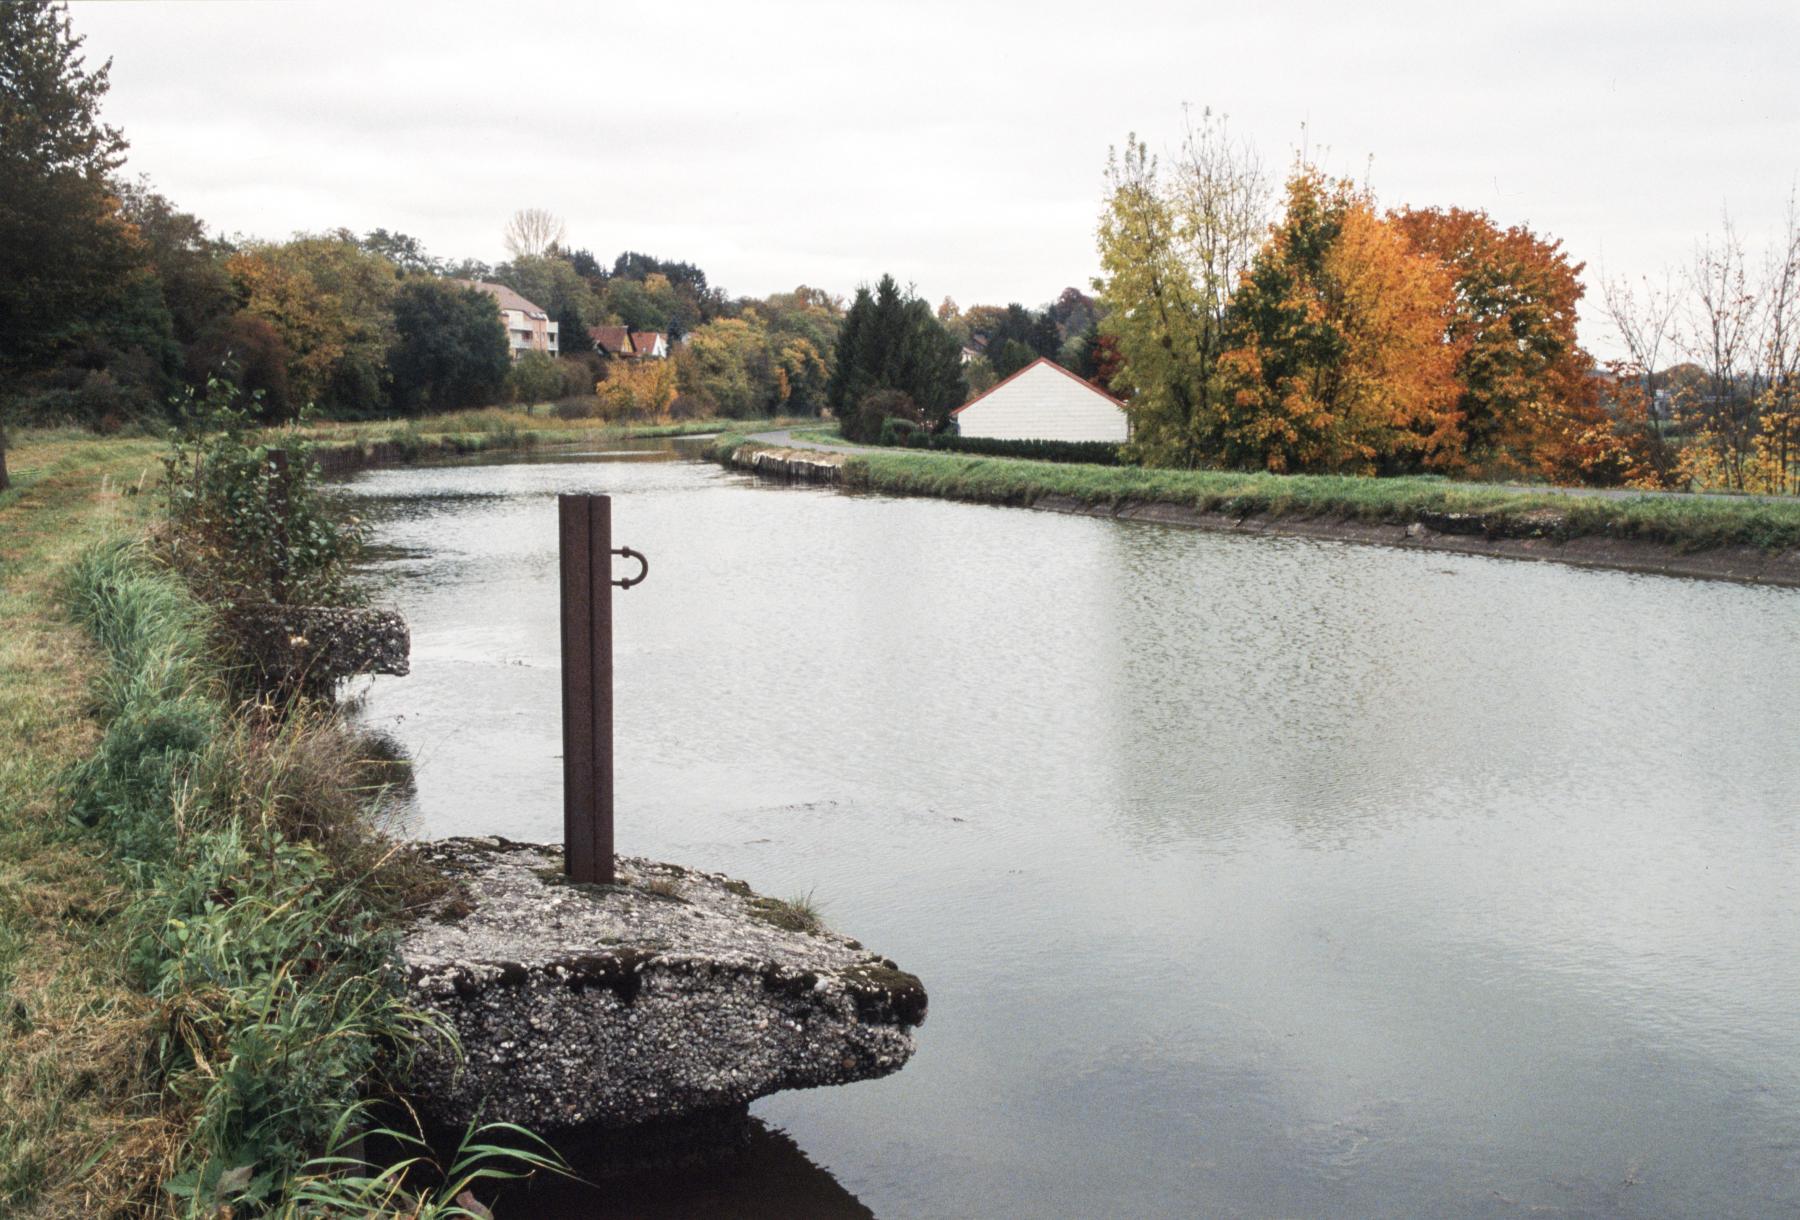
{"points": [[785, 437]]}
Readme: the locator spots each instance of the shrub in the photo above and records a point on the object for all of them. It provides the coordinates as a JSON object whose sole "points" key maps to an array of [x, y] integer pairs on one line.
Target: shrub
{"points": [[897, 431], [873, 411], [687, 406], [237, 531], [1096, 453], [579, 373], [535, 377]]}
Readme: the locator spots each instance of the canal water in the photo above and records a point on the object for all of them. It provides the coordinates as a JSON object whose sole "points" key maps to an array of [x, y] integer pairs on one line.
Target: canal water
{"points": [[1248, 876]]}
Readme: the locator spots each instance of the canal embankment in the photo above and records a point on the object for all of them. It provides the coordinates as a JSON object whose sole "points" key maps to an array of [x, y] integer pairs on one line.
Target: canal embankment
{"points": [[201, 892], [1717, 538]]}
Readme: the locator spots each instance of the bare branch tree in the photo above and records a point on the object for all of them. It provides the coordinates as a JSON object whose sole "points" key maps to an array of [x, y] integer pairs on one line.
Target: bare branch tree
{"points": [[1778, 349], [1222, 208], [1643, 315], [1722, 311], [532, 231]]}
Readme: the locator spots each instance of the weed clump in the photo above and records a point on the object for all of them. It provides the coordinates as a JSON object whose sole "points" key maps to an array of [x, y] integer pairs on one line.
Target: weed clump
{"points": [[797, 914]]}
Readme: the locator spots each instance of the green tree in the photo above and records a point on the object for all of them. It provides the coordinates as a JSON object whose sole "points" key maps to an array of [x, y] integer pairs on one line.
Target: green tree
{"points": [[406, 253], [450, 348], [1008, 356], [248, 352], [190, 266], [550, 283], [893, 341], [64, 250]]}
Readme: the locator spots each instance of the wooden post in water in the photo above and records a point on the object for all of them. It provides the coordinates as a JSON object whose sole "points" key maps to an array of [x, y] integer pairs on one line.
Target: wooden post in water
{"points": [[585, 536]]}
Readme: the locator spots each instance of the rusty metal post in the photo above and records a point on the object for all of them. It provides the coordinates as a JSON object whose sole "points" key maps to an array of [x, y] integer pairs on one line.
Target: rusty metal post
{"points": [[278, 508], [585, 537]]}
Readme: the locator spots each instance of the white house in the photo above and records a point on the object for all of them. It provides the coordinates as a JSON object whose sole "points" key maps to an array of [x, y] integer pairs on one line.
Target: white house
{"points": [[528, 328], [1044, 402]]}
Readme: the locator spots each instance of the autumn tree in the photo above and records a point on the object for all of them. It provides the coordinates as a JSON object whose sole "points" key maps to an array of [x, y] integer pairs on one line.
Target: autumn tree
{"points": [[727, 366], [1074, 313], [1736, 397], [331, 302], [249, 354], [1337, 359], [638, 389], [1172, 250], [189, 263], [649, 293], [532, 232], [1527, 388]]}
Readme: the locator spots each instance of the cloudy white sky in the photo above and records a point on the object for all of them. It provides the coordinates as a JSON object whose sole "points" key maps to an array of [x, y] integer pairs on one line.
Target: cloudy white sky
{"points": [[960, 146]]}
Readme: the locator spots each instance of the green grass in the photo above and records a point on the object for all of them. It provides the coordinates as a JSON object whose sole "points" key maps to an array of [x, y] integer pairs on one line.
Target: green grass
{"points": [[510, 425], [828, 435], [1688, 523], [196, 900], [79, 1133]]}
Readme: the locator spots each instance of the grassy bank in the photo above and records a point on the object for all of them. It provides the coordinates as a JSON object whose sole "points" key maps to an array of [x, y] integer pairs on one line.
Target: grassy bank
{"points": [[1685, 523], [71, 1024], [196, 900], [342, 444]]}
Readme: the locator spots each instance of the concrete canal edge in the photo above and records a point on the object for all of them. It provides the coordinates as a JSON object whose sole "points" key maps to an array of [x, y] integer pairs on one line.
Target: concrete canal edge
{"points": [[1533, 536], [672, 998]]}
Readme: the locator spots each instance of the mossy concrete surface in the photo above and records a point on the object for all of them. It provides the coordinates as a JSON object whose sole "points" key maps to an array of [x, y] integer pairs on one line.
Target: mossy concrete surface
{"points": [[670, 994]]}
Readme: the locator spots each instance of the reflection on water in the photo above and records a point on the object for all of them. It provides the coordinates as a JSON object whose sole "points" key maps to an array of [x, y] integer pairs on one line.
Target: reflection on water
{"points": [[772, 1180], [1249, 876]]}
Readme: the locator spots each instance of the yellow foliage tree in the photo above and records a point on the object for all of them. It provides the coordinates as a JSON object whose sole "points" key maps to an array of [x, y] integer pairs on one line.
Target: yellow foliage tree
{"points": [[639, 389]]}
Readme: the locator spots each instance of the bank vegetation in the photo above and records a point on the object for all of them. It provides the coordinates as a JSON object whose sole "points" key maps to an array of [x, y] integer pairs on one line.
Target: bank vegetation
{"points": [[198, 893]]}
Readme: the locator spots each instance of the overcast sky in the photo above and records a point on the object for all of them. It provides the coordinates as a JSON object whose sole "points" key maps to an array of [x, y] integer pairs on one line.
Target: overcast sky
{"points": [[959, 146]]}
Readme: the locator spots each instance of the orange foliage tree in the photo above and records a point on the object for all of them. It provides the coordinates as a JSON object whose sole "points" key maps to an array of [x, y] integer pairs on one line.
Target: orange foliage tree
{"points": [[1337, 357], [1528, 393]]}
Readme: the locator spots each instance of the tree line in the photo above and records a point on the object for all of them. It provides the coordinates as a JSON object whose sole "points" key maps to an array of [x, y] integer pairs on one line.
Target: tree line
{"points": [[1311, 330]]}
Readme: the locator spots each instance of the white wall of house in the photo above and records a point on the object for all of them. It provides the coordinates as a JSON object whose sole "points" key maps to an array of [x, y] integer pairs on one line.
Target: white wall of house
{"points": [[1044, 403]]}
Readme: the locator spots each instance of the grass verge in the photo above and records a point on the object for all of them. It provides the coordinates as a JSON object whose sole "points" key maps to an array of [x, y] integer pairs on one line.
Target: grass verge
{"points": [[1684, 523], [195, 1000], [342, 445]]}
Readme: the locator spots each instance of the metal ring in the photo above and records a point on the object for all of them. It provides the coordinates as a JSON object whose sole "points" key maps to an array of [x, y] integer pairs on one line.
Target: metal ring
{"points": [[625, 552]]}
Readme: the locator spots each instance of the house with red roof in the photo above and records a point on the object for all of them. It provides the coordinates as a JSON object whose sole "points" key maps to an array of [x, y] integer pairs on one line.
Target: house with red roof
{"points": [[623, 343], [1044, 402], [650, 344], [611, 340]]}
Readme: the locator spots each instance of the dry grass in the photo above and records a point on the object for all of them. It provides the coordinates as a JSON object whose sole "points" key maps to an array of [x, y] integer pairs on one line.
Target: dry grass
{"points": [[77, 1139]]}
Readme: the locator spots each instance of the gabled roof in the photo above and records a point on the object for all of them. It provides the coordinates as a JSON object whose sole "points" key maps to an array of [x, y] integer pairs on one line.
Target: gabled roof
{"points": [[645, 341], [507, 297], [1080, 381], [613, 340]]}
